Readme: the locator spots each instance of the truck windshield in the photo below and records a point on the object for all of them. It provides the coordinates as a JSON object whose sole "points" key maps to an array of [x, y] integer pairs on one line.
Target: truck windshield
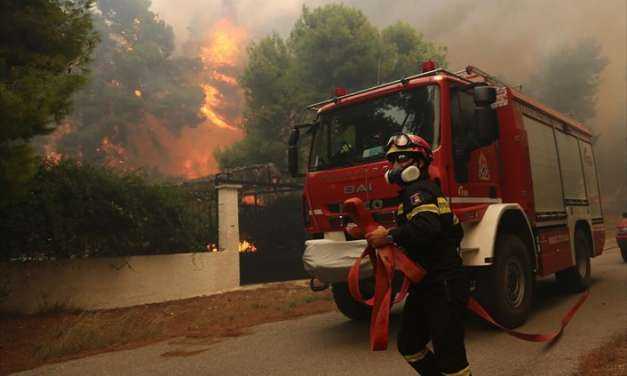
{"points": [[357, 133]]}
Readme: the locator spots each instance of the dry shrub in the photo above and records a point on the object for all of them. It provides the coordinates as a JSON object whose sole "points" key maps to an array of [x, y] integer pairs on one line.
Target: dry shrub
{"points": [[97, 331]]}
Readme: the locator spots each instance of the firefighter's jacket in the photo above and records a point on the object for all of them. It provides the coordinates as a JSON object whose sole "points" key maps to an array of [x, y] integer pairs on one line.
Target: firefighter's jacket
{"points": [[428, 231]]}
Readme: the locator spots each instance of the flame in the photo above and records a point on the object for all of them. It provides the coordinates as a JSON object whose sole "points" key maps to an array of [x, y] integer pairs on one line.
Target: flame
{"points": [[224, 78], [248, 200], [244, 247], [213, 99], [115, 155], [187, 153], [247, 247], [138, 93], [251, 200], [225, 42], [221, 55], [50, 151], [53, 157]]}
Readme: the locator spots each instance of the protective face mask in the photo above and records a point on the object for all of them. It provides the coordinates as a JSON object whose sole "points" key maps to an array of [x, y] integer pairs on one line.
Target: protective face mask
{"points": [[401, 176]]}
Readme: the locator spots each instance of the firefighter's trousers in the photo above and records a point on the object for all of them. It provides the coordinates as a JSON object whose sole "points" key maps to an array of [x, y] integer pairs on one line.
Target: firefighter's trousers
{"points": [[435, 312]]}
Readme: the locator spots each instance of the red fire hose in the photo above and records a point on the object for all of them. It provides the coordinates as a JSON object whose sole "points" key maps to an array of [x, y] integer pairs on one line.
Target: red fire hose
{"points": [[389, 258]]}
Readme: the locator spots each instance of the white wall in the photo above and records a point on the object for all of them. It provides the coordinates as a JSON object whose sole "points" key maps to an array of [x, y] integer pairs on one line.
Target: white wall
{"points": [[101, 283]]}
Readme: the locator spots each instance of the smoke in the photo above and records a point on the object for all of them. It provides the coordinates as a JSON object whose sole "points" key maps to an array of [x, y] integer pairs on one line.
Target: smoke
{"points": [[186, 154], [508, 39]]}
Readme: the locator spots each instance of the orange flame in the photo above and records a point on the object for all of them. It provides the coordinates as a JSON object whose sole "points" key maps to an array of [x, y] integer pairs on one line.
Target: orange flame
{"points": [[247, 247], [224, 78], [50, 151], [244, 247], [252, 200], [225, 44], [213, 99], [221, 55], [116, 155]]}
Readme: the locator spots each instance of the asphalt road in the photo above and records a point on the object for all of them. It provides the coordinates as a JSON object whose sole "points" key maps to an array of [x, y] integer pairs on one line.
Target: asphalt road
{"points": [[328, 344]]}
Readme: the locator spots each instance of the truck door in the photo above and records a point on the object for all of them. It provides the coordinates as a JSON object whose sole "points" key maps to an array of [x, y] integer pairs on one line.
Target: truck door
{"points": [[475, 175]]}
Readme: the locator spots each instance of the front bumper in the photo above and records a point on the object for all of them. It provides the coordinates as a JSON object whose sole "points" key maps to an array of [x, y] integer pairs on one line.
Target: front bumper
{"points": [[331, 260]]}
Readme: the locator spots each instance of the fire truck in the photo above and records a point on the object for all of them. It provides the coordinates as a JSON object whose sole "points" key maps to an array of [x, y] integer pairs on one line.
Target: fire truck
{"points": [[520, 176]]}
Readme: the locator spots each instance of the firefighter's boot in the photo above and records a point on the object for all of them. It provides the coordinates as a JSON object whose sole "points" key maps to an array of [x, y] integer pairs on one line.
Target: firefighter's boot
{"points": [[424, 362]]}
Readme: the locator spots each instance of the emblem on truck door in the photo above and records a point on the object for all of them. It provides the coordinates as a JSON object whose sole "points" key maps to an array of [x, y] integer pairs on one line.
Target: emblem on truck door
{"points": [[484, 170]]}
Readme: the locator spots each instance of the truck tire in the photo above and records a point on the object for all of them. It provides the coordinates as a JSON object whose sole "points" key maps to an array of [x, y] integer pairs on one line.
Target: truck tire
{"points": [[577, 278], [506, 288], [345, 303], [622, 244]]}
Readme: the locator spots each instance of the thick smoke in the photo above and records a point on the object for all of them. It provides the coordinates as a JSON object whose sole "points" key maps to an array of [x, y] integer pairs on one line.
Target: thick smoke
{"points": [[506, 38]]}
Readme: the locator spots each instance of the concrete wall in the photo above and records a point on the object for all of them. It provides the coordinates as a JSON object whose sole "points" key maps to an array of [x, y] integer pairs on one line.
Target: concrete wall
{"points": [[101, 283]]}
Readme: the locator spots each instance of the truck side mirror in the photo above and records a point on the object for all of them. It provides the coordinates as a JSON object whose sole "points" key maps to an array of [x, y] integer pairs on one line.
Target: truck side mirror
{"points": [[486, 122], [292, 152]]}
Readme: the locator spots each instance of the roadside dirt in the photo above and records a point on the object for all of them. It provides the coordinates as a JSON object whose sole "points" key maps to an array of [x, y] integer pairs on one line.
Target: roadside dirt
{"points": [[30, 341], [608, 360]]}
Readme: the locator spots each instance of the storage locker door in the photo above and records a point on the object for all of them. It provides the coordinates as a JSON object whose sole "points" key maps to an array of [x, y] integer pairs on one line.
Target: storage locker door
{"points": [[545, 171]]}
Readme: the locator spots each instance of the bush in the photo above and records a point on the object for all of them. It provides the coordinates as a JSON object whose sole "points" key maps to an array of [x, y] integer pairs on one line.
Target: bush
{"points": [[80, 210]]}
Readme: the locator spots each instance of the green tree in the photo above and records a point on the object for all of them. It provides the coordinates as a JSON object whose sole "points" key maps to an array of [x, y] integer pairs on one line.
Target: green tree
{"points": [[403, 48], [334, 45], [330, 46], [44, 51], [269, 101], [134, 75], [569, 79]]}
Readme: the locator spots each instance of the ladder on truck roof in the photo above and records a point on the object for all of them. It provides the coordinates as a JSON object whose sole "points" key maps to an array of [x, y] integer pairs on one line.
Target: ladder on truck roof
{"points": [[404, 81], [467, 74], [471, 72]]}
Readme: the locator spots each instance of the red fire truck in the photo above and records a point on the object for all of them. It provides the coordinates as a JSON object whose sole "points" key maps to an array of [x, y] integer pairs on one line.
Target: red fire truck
{"points": [[520, 176]]}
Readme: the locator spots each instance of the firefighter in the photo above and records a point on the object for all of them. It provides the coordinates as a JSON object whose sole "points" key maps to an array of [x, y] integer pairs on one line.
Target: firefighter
{"points": [[429, 233]]}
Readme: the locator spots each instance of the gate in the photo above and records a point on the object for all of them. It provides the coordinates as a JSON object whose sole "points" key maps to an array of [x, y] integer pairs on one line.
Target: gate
{"points": [[272, 234]]}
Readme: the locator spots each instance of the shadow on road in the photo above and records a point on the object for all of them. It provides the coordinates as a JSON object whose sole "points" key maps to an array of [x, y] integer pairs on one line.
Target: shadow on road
{"points": [[348, 333], [549, 295]]}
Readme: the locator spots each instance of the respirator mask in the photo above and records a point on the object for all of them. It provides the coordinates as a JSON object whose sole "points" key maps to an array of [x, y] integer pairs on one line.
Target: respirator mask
{"points": [[402, 175]]}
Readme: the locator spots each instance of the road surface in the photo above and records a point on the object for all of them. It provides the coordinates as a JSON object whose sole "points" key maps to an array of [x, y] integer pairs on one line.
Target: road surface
{"points": [[328, 344]]}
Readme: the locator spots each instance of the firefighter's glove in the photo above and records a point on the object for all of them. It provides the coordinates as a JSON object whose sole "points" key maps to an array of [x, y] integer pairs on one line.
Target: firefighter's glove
{"points": [[378, 238], [354, 231]]}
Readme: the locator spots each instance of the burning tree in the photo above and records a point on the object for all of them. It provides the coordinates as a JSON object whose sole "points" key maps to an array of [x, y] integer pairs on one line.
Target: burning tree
{"points": [[146, 107]]}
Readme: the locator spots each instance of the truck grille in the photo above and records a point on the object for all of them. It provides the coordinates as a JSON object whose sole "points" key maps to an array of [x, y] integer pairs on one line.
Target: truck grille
{"points": [[338, 207], [339, 222]]}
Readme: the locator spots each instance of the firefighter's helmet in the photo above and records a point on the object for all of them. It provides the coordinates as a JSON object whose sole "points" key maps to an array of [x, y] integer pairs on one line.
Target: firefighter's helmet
{"points": [[411, 144]]}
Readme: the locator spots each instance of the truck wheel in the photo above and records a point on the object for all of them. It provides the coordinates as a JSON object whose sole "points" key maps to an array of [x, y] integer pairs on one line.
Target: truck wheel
{"points": [[577, 278], [351, 308], [506, 289]]}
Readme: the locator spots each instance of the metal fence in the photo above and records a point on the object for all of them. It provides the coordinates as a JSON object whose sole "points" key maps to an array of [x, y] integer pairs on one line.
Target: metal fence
{"points": [[274, 228], [271, 226]]}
